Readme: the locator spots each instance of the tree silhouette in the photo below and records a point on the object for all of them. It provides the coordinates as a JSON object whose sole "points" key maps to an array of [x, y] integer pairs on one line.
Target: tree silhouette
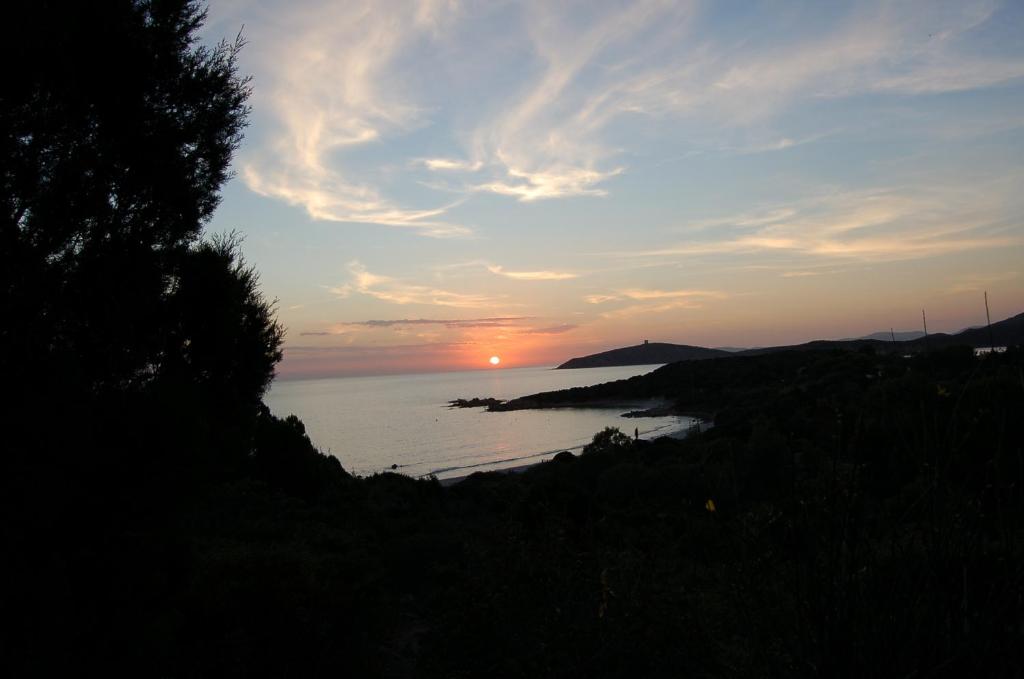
{"points": [[117, 130], [223, 334], [136, 351]]}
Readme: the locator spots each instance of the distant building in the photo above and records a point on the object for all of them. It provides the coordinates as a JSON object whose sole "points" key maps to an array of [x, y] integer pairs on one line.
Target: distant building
{"points": [[646, 341]]}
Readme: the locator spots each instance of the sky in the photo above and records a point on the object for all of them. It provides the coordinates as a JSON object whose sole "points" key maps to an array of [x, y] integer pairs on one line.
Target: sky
{"points": [[425, 184]]}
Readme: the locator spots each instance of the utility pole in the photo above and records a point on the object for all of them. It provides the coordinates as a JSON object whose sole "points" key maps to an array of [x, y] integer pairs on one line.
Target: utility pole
{"points": [[988, 320], [924, 320]]}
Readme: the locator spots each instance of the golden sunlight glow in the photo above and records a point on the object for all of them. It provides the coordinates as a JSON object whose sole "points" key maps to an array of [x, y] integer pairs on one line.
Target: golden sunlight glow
{"points": [[495, 360]]}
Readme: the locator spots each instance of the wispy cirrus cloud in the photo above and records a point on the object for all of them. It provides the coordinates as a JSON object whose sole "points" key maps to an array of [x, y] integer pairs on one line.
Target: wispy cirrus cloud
{"points": [[449, 164], [328, 197], [643, 59], [547, 144], [499, 270], [397, 291], [652, 301], [641, 294], [531, 275], [551, 330], [341, 83], [552, 182], [495, 322], [879, 225], [329, 89], [511, 325], [775, 144], [657, 308]]}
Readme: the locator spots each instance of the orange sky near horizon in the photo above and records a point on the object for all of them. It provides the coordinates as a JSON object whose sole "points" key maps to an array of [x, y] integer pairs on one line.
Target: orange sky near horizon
{"points": [[520, 345]]}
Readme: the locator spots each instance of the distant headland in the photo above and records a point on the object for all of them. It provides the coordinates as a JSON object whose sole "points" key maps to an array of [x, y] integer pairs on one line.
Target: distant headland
{"points": [[643, 354]]}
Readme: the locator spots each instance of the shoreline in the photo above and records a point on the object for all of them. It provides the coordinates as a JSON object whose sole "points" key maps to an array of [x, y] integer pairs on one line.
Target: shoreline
{"points": [[701, 425]]}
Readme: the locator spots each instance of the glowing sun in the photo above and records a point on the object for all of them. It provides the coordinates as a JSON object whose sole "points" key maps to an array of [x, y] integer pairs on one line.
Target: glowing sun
{"points": [[494, 360]]}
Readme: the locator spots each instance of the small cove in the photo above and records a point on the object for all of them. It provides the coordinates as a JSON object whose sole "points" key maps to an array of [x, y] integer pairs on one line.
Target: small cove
{"points": [[372, 423]]}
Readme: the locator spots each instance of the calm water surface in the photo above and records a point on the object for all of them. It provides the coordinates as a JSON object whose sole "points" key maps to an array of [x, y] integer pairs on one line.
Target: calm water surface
{"points": [[370, 423]]}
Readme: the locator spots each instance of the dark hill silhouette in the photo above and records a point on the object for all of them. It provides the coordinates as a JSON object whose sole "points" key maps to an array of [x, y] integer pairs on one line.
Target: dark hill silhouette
{"points": [[644, 354], [823, 345], [1008, 332], [886, 335]]}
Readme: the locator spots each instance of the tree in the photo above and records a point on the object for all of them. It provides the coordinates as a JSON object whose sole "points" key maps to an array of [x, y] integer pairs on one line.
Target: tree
{"points": [[608, 440], [222, 332], [138, 351], [126, 337], [116, 130]]}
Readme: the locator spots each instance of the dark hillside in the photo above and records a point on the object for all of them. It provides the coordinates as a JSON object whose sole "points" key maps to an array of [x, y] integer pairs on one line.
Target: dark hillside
{"points": [[1008, 332], [643, 354], [695, 386]]}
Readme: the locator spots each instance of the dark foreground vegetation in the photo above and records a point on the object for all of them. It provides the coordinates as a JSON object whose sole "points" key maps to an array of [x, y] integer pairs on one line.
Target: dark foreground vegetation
{"points": [[851, 513]]}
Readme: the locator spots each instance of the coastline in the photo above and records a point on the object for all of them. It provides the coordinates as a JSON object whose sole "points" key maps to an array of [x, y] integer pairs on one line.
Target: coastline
{"points": [[355, 419], [701, 425]]}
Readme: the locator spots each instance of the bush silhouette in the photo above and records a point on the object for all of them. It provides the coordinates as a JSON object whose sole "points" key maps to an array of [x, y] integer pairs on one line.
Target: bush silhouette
{"points": [[608, 440]]}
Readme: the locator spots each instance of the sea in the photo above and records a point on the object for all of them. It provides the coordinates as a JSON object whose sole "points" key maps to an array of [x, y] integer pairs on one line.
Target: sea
{"points": [[403, 423]]}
